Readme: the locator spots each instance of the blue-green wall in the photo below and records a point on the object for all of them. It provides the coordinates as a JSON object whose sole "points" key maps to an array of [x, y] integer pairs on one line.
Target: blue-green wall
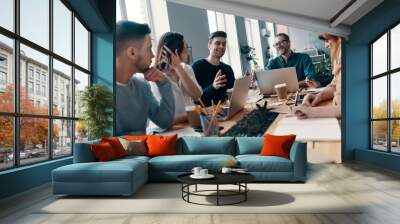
{"points": [[100, 17], [24, 178], [356, 85]]}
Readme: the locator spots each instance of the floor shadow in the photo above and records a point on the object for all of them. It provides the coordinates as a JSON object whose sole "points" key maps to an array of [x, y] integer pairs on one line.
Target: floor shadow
{"points": [[255, 198]]}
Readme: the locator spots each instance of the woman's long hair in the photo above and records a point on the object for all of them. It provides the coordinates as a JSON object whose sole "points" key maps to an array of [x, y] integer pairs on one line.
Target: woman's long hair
{"points": [[335, 51], [174, 41]]}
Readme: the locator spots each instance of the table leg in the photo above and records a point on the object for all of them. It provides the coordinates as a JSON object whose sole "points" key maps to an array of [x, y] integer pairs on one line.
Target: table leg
{"points": [[217, 194], [245, 191]]}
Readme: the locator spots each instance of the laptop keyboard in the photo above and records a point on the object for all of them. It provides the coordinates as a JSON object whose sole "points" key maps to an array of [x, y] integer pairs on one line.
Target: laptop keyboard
{"points": [[253, 124]]}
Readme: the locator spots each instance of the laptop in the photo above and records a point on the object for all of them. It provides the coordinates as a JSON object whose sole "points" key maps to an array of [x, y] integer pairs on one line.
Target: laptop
{"points": [[238, 97], [267, 80]]}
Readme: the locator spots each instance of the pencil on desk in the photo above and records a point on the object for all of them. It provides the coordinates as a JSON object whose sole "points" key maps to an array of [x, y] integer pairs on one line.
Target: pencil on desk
{"points": [[202, 104], [213, 116]]}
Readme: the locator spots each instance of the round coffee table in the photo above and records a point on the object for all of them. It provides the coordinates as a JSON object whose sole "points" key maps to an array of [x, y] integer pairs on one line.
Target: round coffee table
{"points": [[238, 179]]}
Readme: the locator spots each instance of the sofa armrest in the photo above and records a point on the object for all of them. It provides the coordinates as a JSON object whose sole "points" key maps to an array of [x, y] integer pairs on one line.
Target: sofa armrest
{"points": [[83, 152], [298, 155]]}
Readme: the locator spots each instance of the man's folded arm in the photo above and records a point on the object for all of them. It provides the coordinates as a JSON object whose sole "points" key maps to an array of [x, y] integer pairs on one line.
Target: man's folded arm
{"points": [[162, 114]]}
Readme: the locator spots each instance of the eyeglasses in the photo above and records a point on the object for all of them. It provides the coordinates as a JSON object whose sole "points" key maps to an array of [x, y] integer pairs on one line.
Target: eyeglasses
{"points": [[279, 43]]}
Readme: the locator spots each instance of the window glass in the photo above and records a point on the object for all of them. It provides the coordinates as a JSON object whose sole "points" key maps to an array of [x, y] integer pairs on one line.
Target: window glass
{"points": [[34, 144], [62, 29], [6, 75], [81, 81], [81, 45], [39, 62], [62, 91], [7, 14], [6, 142], [395, 47], [379, 98], [62, 141], [395, 94], [35, 21], [395, 136], [379, 135], [379, 56]]}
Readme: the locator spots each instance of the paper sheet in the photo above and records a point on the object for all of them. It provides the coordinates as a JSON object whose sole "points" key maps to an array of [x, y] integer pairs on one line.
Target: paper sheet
{"points": [[312, 129]]}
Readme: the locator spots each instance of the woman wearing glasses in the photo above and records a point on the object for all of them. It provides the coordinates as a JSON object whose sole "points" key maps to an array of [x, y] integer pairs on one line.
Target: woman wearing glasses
{"points": [[172, 54]]}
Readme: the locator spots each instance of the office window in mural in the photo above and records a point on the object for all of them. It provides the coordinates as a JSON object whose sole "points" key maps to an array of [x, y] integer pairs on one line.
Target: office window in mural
{"points": [[37, 99], [385, 96]]}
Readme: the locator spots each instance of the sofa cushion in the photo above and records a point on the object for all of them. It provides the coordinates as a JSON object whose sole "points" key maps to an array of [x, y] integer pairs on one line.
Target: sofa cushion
{"points": [[103, 152], [161, 145], [249, 145], [112, 171], [206, 145], [116, 145], [134, 147], [185, 163], [277, 145], [257, 163]]}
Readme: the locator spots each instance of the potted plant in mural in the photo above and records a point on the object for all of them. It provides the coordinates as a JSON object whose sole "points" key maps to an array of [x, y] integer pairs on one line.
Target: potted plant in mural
{"points": [[97, 104], [250, 55]]}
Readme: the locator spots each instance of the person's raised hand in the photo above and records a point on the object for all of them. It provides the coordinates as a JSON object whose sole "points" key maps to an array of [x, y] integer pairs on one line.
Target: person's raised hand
{"points": [[219, 80], [154, 75], [174, 59]]}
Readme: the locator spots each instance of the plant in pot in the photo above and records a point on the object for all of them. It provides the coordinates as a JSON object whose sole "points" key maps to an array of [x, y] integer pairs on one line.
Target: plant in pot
{"points": [[250, 55], [96, 102]]}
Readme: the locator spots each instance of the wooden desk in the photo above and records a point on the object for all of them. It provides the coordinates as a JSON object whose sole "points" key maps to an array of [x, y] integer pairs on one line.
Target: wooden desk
{"points": [[317, 151]]}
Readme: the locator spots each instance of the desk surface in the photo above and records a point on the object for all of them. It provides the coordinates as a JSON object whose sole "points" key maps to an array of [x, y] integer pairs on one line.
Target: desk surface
{"points": [[277, 106]]}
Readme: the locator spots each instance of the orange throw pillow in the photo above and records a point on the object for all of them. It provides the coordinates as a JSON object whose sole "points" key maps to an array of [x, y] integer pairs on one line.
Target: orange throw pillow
{"points": [[103, 152], [277, 145], [135, 137], [161, 145], [116, 145]]}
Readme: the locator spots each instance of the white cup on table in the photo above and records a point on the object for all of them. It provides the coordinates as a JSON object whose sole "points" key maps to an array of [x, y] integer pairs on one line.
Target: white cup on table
{"points": [[196, 171], [203, 172]]}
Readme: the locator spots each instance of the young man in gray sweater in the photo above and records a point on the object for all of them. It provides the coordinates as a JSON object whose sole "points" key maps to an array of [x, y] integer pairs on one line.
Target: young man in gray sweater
{"points": [[135, 101]]}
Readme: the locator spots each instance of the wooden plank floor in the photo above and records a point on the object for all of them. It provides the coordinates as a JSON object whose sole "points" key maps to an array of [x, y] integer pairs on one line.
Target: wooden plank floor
{"points": [[353, 182]]}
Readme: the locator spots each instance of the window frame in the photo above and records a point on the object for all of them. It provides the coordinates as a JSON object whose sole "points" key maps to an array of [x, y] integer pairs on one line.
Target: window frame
{"points": [[16, 115], [388, 74]]}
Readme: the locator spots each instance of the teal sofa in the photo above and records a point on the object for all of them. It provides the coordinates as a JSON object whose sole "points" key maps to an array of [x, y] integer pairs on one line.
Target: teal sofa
{"points": [[125, 176]]}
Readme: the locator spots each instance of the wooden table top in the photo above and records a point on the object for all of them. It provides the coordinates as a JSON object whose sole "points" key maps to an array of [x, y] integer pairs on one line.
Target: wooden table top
{"points": [[279, 106]]}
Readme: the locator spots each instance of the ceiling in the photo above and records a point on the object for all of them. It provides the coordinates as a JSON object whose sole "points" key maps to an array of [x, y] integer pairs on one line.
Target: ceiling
{"points": [[330, 16], [319, 9]]}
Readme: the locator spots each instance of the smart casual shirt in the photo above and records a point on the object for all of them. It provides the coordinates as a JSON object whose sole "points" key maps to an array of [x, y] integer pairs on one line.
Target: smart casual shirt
{"points": [[302, 62], [136, 104], [205, 74]]}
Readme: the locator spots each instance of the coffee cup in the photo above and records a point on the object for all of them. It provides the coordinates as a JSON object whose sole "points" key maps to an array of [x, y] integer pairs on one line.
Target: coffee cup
{"points": [[203, 172], [226, 170], [193, 117], [281, 91], [229, 93], [197, 171]]}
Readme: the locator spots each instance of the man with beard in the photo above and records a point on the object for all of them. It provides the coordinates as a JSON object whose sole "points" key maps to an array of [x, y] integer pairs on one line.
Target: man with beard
{"points": [[214, 76], [135, 101], [306, 74]]}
